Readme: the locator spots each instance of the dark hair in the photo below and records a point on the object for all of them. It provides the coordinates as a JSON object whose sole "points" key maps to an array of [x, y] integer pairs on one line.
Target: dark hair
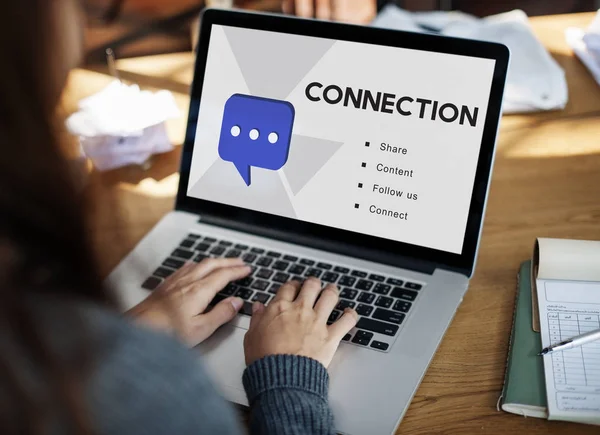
{"points": [[43, 242]]}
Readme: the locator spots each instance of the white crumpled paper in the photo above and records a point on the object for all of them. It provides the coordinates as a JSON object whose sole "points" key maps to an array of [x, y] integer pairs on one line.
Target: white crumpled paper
{"points": [[586, 45], [535, 81], [122, 125]]}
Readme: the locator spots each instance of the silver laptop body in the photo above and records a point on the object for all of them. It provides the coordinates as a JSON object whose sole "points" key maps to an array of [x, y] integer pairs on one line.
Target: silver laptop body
{"points": [[227, 204]]}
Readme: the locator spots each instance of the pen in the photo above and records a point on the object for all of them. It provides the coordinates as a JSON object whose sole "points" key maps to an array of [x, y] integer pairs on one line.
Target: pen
{"points": [[580, 340]]}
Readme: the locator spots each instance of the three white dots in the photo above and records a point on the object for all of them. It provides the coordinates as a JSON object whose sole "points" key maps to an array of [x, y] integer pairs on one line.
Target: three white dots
{"points": [[254, 134]]}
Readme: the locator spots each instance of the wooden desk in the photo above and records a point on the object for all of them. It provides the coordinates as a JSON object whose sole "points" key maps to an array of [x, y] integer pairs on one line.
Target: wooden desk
{"points": [[546, 183]]}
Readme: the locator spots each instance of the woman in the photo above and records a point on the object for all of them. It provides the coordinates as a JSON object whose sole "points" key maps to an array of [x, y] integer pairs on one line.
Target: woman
{"points": [[69, 363]]}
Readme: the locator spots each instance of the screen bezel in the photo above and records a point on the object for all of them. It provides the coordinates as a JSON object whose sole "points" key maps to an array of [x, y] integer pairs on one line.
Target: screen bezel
{"points": [[354, 244]]}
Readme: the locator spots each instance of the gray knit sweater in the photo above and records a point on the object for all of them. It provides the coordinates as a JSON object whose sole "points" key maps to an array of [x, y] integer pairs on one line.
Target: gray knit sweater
{"points": [[145, 382]]}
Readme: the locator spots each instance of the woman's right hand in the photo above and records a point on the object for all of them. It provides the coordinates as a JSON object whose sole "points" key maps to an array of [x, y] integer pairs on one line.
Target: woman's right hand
{"points": [[294, 324]]}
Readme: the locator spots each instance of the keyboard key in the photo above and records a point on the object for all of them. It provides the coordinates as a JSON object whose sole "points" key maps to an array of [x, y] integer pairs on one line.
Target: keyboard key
{"points": [[193, 236], [257, 250], [264, 261], [260, 284], [217, 250], [347, 280], [202, 247], [163, 272], [341, 269], [182, 253], [359, 273], [347, 293], [379, 345], [280, 265], [364, 310], [209, 240], [173, 263], [281, 277], [249, 258], [377, 326], [325, 266], [296, 269], [363, 284], [401, 306], [413, 285], [300, 279], [378, 278], [200, 257], [244, 282], [394, 281], [274, 287], [151, 283], [388, 316], [246, 309], [244, 293], [334, 316], [343, 304], [384, 302], [241, 247], [225, 243], [347, 337], [273, 254], [218, 298], [362, 337], [307, 262], [330, 277], [313, 272], [230, 289], [187, 243], [290, 258], [367, 298], [382, 289], [407, 295], [264, 273], [233, 253], [261, 297]]}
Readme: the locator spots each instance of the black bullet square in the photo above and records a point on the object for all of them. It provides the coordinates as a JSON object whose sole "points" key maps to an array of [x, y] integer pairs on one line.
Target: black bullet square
{"points": [[360, 185], [364, 165], [356, 205], [367, 144]]}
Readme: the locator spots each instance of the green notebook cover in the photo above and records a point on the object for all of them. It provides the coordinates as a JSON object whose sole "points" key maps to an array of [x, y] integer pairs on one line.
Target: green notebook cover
{"points": [[524, 391]]}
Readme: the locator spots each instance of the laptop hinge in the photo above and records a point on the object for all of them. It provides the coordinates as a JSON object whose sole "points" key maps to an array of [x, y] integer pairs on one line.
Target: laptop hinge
{"points": [[326, 245]]}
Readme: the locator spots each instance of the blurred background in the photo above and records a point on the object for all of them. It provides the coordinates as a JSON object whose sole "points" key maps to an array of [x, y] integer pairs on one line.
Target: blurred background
{"points": [[144, 27]]}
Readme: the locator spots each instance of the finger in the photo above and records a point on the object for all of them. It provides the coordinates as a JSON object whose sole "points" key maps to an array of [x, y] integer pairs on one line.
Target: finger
{"points": [[304, 8], [223, 312], [200, 293], [217, 280], [323, 11], [309, 292], [287, 292], [343, 325], [327, 302], [209, 265]]}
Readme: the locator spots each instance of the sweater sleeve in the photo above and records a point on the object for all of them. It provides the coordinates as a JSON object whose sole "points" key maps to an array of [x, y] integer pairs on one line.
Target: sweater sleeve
{"points": [[288, 396]]}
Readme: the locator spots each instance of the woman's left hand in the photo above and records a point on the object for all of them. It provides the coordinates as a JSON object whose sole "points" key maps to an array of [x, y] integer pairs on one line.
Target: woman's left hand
{"points": [[178, 304]]}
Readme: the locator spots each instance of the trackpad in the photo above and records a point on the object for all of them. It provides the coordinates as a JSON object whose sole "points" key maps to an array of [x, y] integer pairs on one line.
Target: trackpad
{"points": [[223, 354]]}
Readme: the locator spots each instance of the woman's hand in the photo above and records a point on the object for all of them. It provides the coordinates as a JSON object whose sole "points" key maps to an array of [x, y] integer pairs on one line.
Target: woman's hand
{"points": [[179, 303], [294, 324], [350, 11]]}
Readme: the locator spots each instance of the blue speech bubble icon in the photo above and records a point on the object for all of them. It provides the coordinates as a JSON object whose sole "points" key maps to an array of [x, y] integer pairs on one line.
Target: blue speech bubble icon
{"points": [[256, 132]]}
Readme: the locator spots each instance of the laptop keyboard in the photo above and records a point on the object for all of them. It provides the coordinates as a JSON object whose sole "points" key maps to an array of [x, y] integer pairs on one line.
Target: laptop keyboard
{"points": [[382, 302]]}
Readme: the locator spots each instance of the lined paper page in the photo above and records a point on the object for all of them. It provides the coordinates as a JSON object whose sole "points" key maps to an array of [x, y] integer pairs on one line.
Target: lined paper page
{"points": [[568, 309]]}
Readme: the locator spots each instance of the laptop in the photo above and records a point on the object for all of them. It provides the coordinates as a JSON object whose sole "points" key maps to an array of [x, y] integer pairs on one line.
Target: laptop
{"points": [[357, 155]]}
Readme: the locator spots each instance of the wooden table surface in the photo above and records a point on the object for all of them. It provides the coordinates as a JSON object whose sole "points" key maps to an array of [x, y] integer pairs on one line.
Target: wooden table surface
{"points": [[546, 182]]}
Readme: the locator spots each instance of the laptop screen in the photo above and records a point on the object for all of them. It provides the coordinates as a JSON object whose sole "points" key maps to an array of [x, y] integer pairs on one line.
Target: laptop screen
{"points": [[372, 139]]}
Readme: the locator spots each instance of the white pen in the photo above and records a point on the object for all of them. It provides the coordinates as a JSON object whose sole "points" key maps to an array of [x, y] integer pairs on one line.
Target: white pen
{"points": [[580, 340]]}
